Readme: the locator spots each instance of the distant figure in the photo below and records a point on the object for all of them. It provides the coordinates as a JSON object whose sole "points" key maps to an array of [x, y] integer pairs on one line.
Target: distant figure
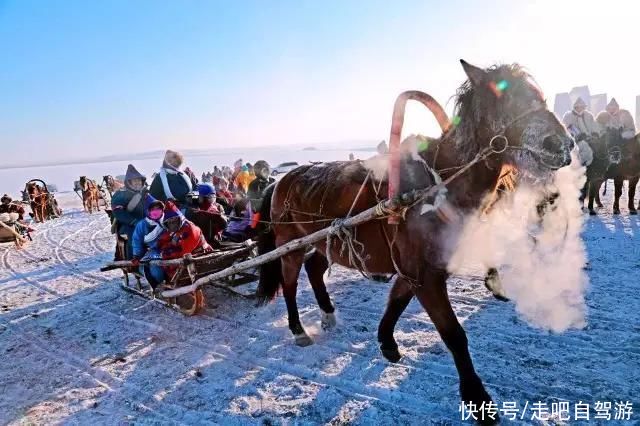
{"points": [[8, 206], [580, 122], [352, 157], [171, 183], [382, 148], [615, 118]]}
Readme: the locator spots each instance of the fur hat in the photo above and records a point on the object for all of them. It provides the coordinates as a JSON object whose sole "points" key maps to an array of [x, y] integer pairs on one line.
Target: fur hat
{"points": [[173, 159], [170, 211], [150, 202], [613, 103], [6, 199]]}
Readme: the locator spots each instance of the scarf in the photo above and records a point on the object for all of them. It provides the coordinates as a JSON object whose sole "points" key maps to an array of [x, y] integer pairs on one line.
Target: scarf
{"points": [[154, 233], [167, 169]]}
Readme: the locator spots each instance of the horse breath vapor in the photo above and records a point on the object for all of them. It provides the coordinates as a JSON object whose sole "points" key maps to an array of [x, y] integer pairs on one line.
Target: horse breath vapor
{"points": [[540, 258]]}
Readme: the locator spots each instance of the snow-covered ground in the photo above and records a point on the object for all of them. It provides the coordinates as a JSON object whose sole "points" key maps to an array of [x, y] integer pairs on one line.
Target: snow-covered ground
{"points": [[77, 349]]}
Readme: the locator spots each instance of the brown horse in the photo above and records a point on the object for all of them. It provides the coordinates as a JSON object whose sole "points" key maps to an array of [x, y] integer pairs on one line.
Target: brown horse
{"points": [[90, 194], [499, 107], [112, 184], [38, 199]]}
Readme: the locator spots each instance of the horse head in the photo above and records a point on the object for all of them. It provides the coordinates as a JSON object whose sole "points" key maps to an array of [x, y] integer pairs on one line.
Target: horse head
{"points": [[502, 108]]}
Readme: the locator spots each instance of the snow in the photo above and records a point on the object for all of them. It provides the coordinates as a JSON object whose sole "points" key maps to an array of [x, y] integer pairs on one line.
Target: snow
{"points": [[77, 349]]}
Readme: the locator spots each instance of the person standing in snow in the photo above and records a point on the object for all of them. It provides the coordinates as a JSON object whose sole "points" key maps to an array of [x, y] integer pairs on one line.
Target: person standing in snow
{"points": [[145, 240], [580, 122], [171, 183], [127, 205], [615, 118]]}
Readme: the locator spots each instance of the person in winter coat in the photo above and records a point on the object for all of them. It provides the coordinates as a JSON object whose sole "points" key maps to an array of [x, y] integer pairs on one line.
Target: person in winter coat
{"points": [[224, 196], [259, 184], [239, 227], [171, 183], [180, 237], [145, 240], [580, 122], [615, 118], [209, 215], [243, 180], [127, 205], [8, 206]]}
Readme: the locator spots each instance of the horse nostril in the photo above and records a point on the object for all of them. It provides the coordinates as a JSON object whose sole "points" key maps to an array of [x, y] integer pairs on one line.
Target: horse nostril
{"points": [[550, 143]]}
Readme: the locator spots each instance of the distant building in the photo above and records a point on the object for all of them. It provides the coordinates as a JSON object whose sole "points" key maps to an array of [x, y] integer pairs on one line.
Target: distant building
{"points": [[598, 103], [562, 104]]}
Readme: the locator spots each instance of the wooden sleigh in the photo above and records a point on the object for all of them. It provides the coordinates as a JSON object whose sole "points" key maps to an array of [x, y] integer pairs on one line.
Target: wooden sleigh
{"points": [[189, 270]]}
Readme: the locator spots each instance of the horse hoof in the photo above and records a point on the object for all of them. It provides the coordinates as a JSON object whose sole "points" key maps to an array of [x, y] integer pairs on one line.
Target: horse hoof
{"points": [[391, 354], [634, 211], [303, 340], [592, 213], [328, 321], [616, 211]]}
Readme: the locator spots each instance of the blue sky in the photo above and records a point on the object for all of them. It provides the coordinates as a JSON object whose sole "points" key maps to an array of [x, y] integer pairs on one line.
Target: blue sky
{"points": [[82, 78]]}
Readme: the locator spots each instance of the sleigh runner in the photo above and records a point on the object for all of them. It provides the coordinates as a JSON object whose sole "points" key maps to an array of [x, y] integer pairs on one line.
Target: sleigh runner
{"points": [[189, 270]]}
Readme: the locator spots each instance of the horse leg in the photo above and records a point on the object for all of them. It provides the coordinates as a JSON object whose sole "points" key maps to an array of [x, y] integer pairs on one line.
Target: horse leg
{"points": [[583, 193], [594, 188], [315, 266], [597, 194], [432, 294], [399, 298], [632, 194], [493, 283], [291, 265], [617, 182]]}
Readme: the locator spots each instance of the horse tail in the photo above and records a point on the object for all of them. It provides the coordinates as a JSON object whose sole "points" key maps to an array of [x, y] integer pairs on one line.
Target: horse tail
{"points": [[271, 272], [605, 187]]}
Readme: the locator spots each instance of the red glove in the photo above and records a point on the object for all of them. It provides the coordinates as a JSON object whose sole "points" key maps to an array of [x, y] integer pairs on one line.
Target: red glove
{"points": [[135, 262]]}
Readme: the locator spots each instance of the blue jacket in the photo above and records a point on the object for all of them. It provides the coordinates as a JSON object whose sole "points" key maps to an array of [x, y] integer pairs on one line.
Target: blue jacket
{"points": [[140, 247]]}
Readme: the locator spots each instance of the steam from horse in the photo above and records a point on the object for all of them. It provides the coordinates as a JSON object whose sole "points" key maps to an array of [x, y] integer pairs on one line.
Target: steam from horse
{"points": [[502, 122]]}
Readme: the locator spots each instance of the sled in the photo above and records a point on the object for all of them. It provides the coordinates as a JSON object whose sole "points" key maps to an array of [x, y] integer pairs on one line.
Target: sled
{"points": [[43, 204], [189, 269]]}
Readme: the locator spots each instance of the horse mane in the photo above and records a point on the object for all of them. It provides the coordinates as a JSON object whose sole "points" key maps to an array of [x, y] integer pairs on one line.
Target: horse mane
{"points": [[476, 107]]}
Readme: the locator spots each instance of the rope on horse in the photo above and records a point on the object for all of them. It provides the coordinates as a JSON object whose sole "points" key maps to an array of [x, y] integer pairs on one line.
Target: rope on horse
{"points": [[353, 247]]}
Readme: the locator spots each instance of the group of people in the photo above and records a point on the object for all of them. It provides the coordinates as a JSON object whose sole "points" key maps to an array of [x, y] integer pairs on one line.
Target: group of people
{"points": [[157, 220], [582, 125]]}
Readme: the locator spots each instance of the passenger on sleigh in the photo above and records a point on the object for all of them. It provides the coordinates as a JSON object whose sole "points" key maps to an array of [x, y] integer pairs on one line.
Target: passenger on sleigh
{"points": [[171, 183], [208, 214], [180, 237], [8, 206], [239, 227], [128, 206], [145, 240], [223, 196]]}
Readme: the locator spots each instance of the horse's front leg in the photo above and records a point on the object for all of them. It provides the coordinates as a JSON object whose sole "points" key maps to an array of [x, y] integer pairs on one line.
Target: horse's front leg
{"points": [[399, 298], [632, 194], [432, 294], [617, 183], [594, 187], [291, 265]]}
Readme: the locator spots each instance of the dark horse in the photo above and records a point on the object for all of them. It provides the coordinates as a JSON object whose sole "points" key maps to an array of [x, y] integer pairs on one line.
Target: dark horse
{"points": [[500, 104], [627, 169], [606, 153]]}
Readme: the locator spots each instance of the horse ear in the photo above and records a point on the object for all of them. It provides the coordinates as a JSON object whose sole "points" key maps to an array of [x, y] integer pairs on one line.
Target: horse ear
{"points": [[476, 75]]}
